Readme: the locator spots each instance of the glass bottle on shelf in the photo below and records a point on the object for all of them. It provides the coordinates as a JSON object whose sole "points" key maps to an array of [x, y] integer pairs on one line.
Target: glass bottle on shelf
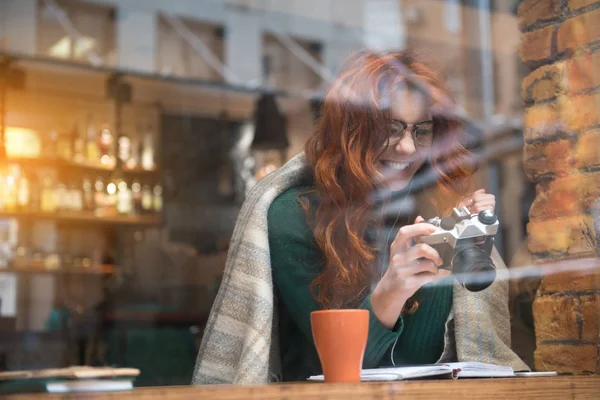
{"points": [[2, 190], [78, 144], [52, 261], [77, 261], [134, 156], [147, 199], [99, 197], [148, 150], [106, 144], [86, 262], [111, 198], [48, 197], [69, 201], [88, 195], [136, 190], [21, 257], [124, 149], [75, 198], [124, 199], [66, 259], [62, 197], [65, 148], [9, 190], [50, 144], [91, 146], [157, 201], [23, 192], [79, 197], [35, 192], [140, 149]]}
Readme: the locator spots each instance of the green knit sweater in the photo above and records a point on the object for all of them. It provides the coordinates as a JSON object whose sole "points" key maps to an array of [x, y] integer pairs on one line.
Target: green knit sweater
{"points": [[296, 261]]}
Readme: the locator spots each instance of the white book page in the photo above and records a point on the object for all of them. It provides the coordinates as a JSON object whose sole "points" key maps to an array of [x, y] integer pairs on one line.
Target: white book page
{"points": [[410, 372], [89, 386], [454, 369], [398, 373], [480, 370]]}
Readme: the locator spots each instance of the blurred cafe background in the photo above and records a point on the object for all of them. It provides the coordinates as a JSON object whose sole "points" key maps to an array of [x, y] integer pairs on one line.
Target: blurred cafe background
{"points": [[130, 133]]}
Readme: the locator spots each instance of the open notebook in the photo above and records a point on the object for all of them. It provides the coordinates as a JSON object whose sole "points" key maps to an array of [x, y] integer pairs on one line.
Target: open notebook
{"points": [[443, 371]]}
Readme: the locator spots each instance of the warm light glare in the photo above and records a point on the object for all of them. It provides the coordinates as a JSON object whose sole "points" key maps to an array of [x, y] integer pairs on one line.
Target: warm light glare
{"points": [[81, 46], [105, 160], [22, 142], [62, 48], [266, 170], [111, 188]]}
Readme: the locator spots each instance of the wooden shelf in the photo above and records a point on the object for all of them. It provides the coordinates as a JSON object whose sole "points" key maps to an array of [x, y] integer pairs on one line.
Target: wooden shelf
{"points": [[82, 217], [58, 65], [35, 269], [66, 164], [139, 170]]}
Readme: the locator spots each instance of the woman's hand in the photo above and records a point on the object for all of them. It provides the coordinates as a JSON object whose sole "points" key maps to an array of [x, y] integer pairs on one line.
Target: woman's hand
{"points": [[478, 201], [411, 266]]}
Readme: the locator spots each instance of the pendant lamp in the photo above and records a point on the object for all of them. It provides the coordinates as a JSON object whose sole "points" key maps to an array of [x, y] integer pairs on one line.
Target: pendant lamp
{"points": [[270, 130]]}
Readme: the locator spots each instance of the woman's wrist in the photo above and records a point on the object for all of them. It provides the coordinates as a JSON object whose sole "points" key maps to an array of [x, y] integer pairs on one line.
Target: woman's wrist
{"points": [[387, 306]]}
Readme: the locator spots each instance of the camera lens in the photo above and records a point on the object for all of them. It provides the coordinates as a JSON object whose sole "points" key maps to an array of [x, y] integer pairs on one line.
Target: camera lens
{"points": [[473, 268]]}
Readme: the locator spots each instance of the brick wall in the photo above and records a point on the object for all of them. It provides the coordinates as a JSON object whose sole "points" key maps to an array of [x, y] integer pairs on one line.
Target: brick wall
{"points": [[561, 44]]}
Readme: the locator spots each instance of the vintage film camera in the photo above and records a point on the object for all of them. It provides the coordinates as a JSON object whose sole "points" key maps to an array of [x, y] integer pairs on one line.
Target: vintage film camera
{"points": [[464, 242]]}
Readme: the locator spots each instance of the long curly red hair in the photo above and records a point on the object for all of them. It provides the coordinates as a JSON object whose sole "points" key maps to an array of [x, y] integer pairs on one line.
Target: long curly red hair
{"points": [[350, 136]]}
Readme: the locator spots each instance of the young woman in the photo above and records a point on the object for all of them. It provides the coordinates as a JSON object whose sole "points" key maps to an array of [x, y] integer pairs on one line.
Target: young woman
{"points": [[386, 121]]}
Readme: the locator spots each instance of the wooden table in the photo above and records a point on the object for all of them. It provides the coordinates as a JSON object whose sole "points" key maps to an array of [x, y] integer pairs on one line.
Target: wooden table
{"points": [[560, 387]]}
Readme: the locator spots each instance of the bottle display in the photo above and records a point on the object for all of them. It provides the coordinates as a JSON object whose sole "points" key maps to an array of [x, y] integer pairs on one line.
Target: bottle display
{"points": [[74, 181], [20, 191]]}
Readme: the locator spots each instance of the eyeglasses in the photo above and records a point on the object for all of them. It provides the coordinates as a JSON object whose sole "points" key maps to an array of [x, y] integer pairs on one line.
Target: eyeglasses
{"points": [[422, 132]]}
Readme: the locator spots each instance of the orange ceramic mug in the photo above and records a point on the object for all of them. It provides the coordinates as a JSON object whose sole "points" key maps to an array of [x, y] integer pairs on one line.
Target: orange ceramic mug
{"points": [[340, 338]]}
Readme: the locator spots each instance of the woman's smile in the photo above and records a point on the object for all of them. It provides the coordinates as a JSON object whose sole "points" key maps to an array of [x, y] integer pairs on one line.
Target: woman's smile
{"points": [[396, 165]]}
